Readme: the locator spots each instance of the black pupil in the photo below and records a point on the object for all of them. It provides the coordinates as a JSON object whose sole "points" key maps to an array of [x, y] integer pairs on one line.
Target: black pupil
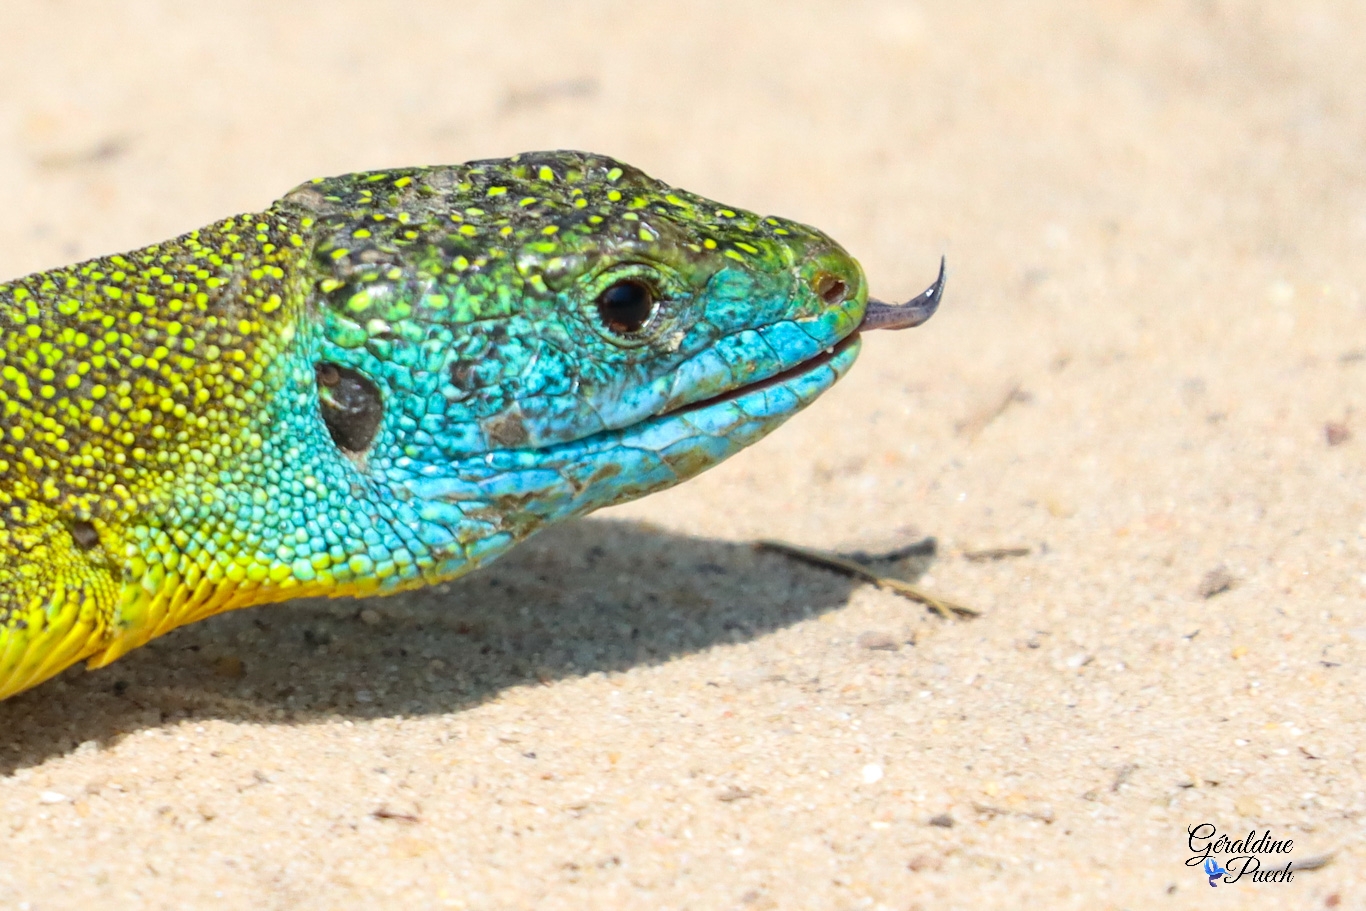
{"points": [[626, 307]]}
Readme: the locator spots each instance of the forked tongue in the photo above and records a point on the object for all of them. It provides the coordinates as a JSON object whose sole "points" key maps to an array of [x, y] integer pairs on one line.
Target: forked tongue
{"points": [[905, 316]]}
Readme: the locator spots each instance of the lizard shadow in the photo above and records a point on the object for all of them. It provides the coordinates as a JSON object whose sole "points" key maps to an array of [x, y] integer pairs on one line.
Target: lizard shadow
{"points": [[598, 595]]}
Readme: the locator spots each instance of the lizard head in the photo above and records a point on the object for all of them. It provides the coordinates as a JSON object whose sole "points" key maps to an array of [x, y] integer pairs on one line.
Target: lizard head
{"points": [[512, 342], [384, 380]]}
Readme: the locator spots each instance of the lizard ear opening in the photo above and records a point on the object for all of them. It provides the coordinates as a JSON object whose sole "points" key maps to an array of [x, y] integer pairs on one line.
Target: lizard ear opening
{"points": [[351, 405]]}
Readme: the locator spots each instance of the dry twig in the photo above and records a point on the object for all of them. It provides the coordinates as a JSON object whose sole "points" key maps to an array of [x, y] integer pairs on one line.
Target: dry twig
{"points": [[940, 606]]}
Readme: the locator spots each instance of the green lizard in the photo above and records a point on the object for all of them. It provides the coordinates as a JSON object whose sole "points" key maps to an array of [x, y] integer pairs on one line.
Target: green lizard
{"points": [[384, 380]]}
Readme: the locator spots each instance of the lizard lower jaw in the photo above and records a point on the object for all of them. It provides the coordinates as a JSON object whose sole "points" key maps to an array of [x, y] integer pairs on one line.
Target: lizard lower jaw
{"points": [[806, 366]]}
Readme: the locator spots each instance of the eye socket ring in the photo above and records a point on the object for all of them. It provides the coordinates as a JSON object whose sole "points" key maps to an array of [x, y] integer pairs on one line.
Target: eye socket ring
{"points": [[626, 307]]}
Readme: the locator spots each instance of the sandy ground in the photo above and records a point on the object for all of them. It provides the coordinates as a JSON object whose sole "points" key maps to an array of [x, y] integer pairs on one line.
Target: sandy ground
{"points": [[1151, 367]]}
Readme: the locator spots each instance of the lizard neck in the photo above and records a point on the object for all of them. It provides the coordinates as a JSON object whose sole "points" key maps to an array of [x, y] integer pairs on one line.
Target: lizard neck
{"points": [[160, 445], [163, 458]]}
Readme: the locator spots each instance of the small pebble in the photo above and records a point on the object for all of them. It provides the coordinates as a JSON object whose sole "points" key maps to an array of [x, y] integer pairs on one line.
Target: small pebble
{"points": [[872, 773], [1336, 434], [229, 666], [923, 862], [52, 797], [943, 821], [733, 793], [1216, 582], [875, 641], [1247, 806], [370, 617]]}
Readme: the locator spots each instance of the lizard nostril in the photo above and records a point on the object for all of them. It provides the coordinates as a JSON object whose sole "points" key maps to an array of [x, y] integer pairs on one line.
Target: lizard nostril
{"points": [[831, 288]]}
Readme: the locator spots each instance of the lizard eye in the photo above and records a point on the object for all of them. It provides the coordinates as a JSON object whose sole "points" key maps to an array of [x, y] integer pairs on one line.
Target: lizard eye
{"points": [[626, 307]]}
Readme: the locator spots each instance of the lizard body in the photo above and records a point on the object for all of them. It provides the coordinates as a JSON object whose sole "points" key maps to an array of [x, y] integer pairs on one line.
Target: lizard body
{"points": [[384, 380]]}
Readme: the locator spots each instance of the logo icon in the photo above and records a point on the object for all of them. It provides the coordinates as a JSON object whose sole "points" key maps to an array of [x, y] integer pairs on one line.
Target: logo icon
{"points": [[1245, 856]]}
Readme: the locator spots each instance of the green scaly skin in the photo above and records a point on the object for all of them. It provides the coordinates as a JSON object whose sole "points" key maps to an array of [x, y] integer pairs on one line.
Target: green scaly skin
{"points": [[382, 381]]}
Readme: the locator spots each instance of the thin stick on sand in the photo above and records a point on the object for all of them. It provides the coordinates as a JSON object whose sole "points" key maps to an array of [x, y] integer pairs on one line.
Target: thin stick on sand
{"points": [[944, 608]]}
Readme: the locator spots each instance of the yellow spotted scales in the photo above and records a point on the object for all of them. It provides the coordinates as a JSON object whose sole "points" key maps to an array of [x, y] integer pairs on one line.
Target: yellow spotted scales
{"points": [[122, 378]]}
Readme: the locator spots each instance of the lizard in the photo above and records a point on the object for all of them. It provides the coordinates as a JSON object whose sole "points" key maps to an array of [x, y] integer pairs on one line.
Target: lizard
{"points": [[384, 380]]}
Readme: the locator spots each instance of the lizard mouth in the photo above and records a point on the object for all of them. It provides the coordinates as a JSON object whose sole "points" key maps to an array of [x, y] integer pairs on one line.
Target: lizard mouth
{"points": [[877, 315], [777, 379]]}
